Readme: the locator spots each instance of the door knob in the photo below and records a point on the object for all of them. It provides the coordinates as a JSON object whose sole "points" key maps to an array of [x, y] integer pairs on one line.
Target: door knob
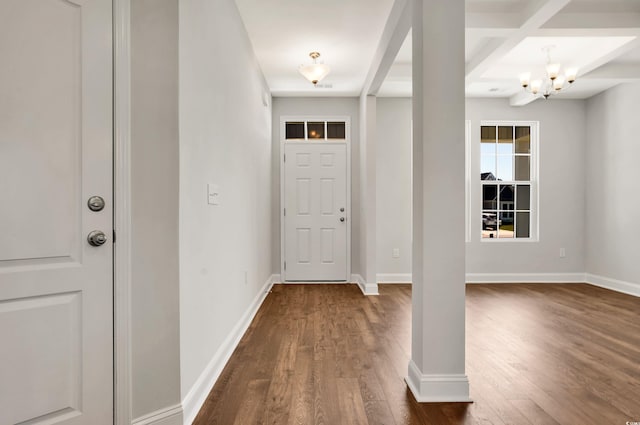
{"points": [[341, 209], [341, 218], [97, 238]]}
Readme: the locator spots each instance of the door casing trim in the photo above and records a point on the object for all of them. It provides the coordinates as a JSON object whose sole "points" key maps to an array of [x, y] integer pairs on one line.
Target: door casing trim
{"points": [[283, 142], [122, 211]]}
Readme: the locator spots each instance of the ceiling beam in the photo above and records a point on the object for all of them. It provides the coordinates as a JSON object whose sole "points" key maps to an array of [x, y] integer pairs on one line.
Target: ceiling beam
{"points": [[537, 13], [610, 56], [615, 71], [492, 21], [522, 98], [594, 20], [393, 36]]}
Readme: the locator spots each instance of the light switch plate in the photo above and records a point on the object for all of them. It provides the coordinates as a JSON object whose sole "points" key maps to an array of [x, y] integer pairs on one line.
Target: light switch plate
{"points": [[213, 194]]}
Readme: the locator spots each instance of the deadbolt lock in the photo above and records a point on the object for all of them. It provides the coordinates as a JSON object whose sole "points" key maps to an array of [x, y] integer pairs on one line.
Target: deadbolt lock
{"points": [[95, 203]]}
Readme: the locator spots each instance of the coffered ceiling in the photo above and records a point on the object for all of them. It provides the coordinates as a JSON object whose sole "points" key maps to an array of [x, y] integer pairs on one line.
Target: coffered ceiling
{"points": [[504, 38]]}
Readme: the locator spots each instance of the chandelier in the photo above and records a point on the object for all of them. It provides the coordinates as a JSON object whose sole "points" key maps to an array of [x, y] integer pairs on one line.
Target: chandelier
{"points": [[316, 71], [554, 80]]}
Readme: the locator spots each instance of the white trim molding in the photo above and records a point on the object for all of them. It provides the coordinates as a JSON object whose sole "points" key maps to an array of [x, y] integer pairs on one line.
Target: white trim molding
{"points": [[168, 416], [193, 401], [366, 288], [122, 210], [394, 278], [437, 388], [525, 278], [628, 288]]}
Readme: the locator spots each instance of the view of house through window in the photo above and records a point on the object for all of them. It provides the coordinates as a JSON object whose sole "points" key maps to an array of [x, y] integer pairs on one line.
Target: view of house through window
{"points": [[506, 177]]}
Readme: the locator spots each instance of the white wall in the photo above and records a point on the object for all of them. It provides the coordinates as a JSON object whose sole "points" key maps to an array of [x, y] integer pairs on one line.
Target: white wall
{"points": [[393, 185], [316, 106], [562, 188], [155, 363], [561, 191], [225, 139], [612, 201]]}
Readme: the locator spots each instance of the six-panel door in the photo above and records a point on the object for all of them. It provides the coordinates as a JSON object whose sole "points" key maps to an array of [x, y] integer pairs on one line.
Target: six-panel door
{"points": [[56, 320], [315, 199]]}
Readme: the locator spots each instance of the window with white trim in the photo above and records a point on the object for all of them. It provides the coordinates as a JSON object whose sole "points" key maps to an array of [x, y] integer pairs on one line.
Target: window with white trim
{"points": [[508, 180]]}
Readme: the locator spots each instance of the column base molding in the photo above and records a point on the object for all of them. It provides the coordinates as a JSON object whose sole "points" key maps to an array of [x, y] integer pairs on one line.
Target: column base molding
{"points": [[453, 388]]}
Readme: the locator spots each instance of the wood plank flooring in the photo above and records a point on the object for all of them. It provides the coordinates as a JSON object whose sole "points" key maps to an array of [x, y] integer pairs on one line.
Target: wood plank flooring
{"points": [[536, 355]]}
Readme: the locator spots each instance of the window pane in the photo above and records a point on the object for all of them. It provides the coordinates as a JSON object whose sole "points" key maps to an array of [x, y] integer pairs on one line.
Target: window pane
{"points": [[490, 197], [488, 148], [522, 168], [523, 140], [294, 130], [506, 217], [506, 197], [489, 234], [505, 230], [505, 167], [489, 224], [335, 130], [488, 134], [523, 197], [505, 148], [522, 224], [315, 130], [488, 167], [505, 134]]}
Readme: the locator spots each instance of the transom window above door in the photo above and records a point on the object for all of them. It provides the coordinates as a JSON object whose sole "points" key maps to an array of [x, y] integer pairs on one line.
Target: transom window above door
{"points": [[315, 130]]}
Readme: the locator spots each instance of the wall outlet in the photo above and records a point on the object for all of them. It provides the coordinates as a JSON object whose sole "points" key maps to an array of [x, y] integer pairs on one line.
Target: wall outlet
{"points": [[396, 253], [563, 253]]}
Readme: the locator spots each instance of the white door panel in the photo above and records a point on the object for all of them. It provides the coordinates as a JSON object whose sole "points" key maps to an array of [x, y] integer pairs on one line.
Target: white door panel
{"points": [[56, 355], [315, 189]]}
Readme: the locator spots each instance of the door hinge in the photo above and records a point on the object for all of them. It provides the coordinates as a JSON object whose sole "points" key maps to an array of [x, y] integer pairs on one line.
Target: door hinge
{"points": [[285, 265], [285, 211], [114, 235], [285, 157]]}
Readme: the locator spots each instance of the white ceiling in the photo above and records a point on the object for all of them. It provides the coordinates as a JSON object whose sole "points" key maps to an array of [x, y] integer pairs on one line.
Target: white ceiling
{"points": [[284, 32], [504, 38]]}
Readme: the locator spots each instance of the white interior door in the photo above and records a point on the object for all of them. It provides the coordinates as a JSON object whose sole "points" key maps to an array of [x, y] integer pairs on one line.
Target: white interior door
{"points": [[56, 347], [315, 222]]}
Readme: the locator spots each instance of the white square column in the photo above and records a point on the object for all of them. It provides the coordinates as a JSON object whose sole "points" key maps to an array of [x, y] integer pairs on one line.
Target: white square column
{"points": [[437, 367]]}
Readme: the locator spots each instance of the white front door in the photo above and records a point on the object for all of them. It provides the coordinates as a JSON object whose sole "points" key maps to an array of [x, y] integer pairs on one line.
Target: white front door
{"points": [[315, 220], [56, 297]]}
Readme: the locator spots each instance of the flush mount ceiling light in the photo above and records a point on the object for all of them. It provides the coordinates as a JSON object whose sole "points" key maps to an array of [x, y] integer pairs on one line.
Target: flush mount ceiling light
{"points": [[316, 71], [554, 80]]}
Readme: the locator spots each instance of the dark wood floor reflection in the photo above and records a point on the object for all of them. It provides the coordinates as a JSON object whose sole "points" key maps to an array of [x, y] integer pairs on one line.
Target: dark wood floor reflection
{"points": [[536, 355]]}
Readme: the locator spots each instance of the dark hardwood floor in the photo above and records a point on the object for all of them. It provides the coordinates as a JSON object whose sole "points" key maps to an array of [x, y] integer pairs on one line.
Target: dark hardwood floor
{"points": [[536, 355]]}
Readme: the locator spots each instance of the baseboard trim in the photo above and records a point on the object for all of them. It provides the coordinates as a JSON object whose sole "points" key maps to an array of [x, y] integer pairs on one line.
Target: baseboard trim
{"points": [[525, 278], [366, 288], [628, 288], [169, 416], [196, 396], [394, 278], [452, 388]]}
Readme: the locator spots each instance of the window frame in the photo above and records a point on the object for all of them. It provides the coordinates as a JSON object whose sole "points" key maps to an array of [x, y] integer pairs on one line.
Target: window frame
{"points": [[306, 121], [533, 182]]}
